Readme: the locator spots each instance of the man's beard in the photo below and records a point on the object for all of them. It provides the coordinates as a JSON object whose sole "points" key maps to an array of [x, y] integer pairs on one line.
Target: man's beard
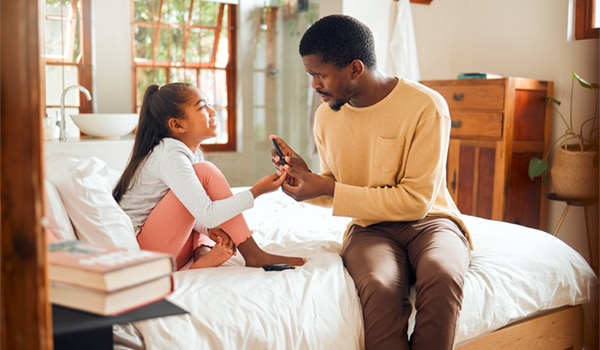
{"points": [[337, 105]]}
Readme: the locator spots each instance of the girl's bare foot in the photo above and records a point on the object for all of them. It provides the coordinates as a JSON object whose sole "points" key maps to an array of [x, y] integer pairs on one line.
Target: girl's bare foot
{"points": [[211, 257], [256, 257], [268, 259]]}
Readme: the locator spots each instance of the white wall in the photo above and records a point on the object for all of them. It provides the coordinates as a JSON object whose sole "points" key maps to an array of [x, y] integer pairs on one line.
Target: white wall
{"points": [[112, 56]]}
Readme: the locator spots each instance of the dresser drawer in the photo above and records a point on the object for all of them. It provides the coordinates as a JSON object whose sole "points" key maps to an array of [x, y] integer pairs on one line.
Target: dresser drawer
{"points": [[498, 125], [476, 124], [471, 93]]}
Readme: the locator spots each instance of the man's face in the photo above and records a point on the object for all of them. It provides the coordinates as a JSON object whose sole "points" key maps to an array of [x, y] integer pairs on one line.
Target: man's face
{"points": [[332, 84]]}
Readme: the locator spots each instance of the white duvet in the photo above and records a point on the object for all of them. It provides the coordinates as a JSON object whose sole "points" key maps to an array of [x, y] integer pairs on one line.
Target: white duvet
{"points": [[515, 271]]}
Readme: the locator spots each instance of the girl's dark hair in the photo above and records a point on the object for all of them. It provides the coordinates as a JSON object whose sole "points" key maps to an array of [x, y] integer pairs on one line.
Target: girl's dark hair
{"points": [[339, 39], [159, 105]]}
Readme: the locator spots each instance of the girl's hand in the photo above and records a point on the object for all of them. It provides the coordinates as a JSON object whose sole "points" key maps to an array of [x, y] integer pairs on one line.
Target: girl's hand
{"points": [[268, 183], [217, 234]]}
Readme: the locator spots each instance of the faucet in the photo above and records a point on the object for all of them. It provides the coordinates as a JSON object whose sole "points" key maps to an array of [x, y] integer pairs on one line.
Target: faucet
{"points": [[62, 123]]}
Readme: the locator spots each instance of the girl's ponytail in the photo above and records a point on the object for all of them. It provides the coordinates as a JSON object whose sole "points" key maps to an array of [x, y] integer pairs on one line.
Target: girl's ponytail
{"points": [[158, 106]]}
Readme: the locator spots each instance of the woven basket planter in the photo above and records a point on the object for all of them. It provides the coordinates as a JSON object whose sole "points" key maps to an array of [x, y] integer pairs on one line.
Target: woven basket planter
{"points": [[574, 173]]}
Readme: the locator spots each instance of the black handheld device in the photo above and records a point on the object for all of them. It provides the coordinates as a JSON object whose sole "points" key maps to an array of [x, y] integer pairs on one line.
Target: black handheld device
{"points": [[278, 267], [279, 153]]}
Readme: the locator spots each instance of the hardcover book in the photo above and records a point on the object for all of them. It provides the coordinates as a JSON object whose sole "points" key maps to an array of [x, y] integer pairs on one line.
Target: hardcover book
{"points": [[110, 303], [105, 268]]}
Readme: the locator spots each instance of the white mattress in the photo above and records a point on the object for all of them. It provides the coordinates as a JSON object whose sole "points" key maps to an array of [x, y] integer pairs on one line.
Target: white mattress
{"points": [[515, 271]]}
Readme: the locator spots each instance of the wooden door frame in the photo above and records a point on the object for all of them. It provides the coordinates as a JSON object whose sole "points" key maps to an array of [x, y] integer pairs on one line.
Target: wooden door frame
{"points": [[25, 310]]}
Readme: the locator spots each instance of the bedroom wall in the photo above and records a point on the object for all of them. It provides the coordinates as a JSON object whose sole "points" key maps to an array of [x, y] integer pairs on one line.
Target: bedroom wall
{"points": [[509, 37]]}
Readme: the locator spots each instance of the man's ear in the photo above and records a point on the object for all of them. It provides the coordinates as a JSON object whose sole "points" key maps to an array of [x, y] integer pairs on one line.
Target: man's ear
{"points": [[358, 68], [175, 125]]}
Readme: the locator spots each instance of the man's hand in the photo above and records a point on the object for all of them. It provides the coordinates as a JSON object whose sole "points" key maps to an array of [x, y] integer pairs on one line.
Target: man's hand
{"points": [[302, 184], [292, 158]]}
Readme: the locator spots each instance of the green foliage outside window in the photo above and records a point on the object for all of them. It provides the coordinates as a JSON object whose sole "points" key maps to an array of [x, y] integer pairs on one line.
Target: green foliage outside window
{"points": [[185, 40]]}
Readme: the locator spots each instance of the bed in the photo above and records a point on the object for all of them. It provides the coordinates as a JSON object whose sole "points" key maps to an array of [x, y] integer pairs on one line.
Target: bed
{"points": [[524, 289]]}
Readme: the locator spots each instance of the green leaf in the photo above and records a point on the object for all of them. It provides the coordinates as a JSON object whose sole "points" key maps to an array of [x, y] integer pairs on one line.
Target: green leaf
{"points": [[584, 82], [537, 167]]}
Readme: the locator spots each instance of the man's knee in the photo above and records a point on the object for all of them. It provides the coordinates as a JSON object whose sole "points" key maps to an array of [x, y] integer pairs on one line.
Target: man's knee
{"points": [[440, 275], [380, 286]]}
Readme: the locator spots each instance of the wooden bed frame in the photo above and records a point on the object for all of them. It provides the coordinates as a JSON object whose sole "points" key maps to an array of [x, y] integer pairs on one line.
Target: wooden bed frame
{"points": [[560, 329]]}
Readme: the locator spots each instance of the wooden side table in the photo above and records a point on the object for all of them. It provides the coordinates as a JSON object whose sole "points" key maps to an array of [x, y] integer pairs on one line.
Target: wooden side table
{"points": [[587, 205], [75, 329]]}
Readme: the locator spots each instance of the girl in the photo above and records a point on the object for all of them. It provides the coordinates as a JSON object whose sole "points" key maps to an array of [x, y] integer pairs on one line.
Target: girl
{"points": [[176, 201]]}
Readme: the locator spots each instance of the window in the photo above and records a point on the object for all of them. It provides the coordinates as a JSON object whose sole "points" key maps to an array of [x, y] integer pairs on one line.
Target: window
{"points": [[587, 19], [191, 41], [67, 51]]}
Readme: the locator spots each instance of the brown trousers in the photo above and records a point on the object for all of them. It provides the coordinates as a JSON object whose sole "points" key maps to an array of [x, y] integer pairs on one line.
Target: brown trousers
{"points": [[385, 259]]}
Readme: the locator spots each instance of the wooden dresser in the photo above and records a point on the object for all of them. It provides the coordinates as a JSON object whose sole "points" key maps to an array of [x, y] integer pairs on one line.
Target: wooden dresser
{"points": [[497, 126]]}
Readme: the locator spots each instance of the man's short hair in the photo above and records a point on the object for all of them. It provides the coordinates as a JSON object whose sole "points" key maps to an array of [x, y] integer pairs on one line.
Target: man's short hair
{"points": [[339, 39]]}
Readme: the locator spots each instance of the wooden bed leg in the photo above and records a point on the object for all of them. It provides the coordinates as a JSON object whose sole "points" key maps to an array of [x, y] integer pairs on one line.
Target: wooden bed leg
{"points": [[561, 329]]}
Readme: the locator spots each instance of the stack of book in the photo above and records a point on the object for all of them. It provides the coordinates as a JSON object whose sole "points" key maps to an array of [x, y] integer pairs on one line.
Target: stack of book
{"points": [[107, 280]]}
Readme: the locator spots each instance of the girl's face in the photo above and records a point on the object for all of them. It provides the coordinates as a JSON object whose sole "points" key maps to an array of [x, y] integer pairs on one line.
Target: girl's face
{"points": [[199, 123]]}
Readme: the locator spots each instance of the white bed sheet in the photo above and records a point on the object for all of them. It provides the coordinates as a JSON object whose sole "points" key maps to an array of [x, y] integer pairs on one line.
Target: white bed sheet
{"points": [[234, 307], [515, 271]]}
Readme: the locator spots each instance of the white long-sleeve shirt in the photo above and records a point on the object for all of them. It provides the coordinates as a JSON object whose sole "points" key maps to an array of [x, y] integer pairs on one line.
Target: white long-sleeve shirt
{"points": [[170, 167]]}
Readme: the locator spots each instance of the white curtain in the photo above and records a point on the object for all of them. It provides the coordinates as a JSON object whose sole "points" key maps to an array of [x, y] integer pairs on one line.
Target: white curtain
{"points": [[402, 57]]}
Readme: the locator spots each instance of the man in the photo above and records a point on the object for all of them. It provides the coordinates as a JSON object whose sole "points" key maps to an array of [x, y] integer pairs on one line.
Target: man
{"points": [[383, 144]]}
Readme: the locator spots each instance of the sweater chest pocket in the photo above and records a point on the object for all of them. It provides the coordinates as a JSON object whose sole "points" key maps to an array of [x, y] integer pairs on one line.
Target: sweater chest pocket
{"points": [[388, 153]]}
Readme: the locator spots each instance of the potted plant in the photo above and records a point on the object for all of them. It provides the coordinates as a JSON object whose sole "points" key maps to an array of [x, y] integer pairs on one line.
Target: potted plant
{"points": [[573, 155]]}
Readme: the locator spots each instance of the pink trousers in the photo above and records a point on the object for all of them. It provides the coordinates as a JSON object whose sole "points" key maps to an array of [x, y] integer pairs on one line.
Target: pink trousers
{"points": [[170, 226]]}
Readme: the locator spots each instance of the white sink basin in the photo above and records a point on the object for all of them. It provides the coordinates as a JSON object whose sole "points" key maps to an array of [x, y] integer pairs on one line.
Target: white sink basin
{"points": [[105, 125]]}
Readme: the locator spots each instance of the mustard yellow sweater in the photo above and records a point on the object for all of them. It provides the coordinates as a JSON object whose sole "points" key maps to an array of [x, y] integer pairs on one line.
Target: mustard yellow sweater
{"points": [[389, 159]]}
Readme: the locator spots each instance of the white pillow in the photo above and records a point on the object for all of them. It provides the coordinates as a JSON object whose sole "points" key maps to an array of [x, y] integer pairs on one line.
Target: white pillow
{"points": [[85, 186], [56, 218]]}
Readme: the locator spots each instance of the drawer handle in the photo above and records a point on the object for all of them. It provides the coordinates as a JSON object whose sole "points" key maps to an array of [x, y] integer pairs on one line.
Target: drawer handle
{"points": [[453, 182], [455, 123], [458, 96]]}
